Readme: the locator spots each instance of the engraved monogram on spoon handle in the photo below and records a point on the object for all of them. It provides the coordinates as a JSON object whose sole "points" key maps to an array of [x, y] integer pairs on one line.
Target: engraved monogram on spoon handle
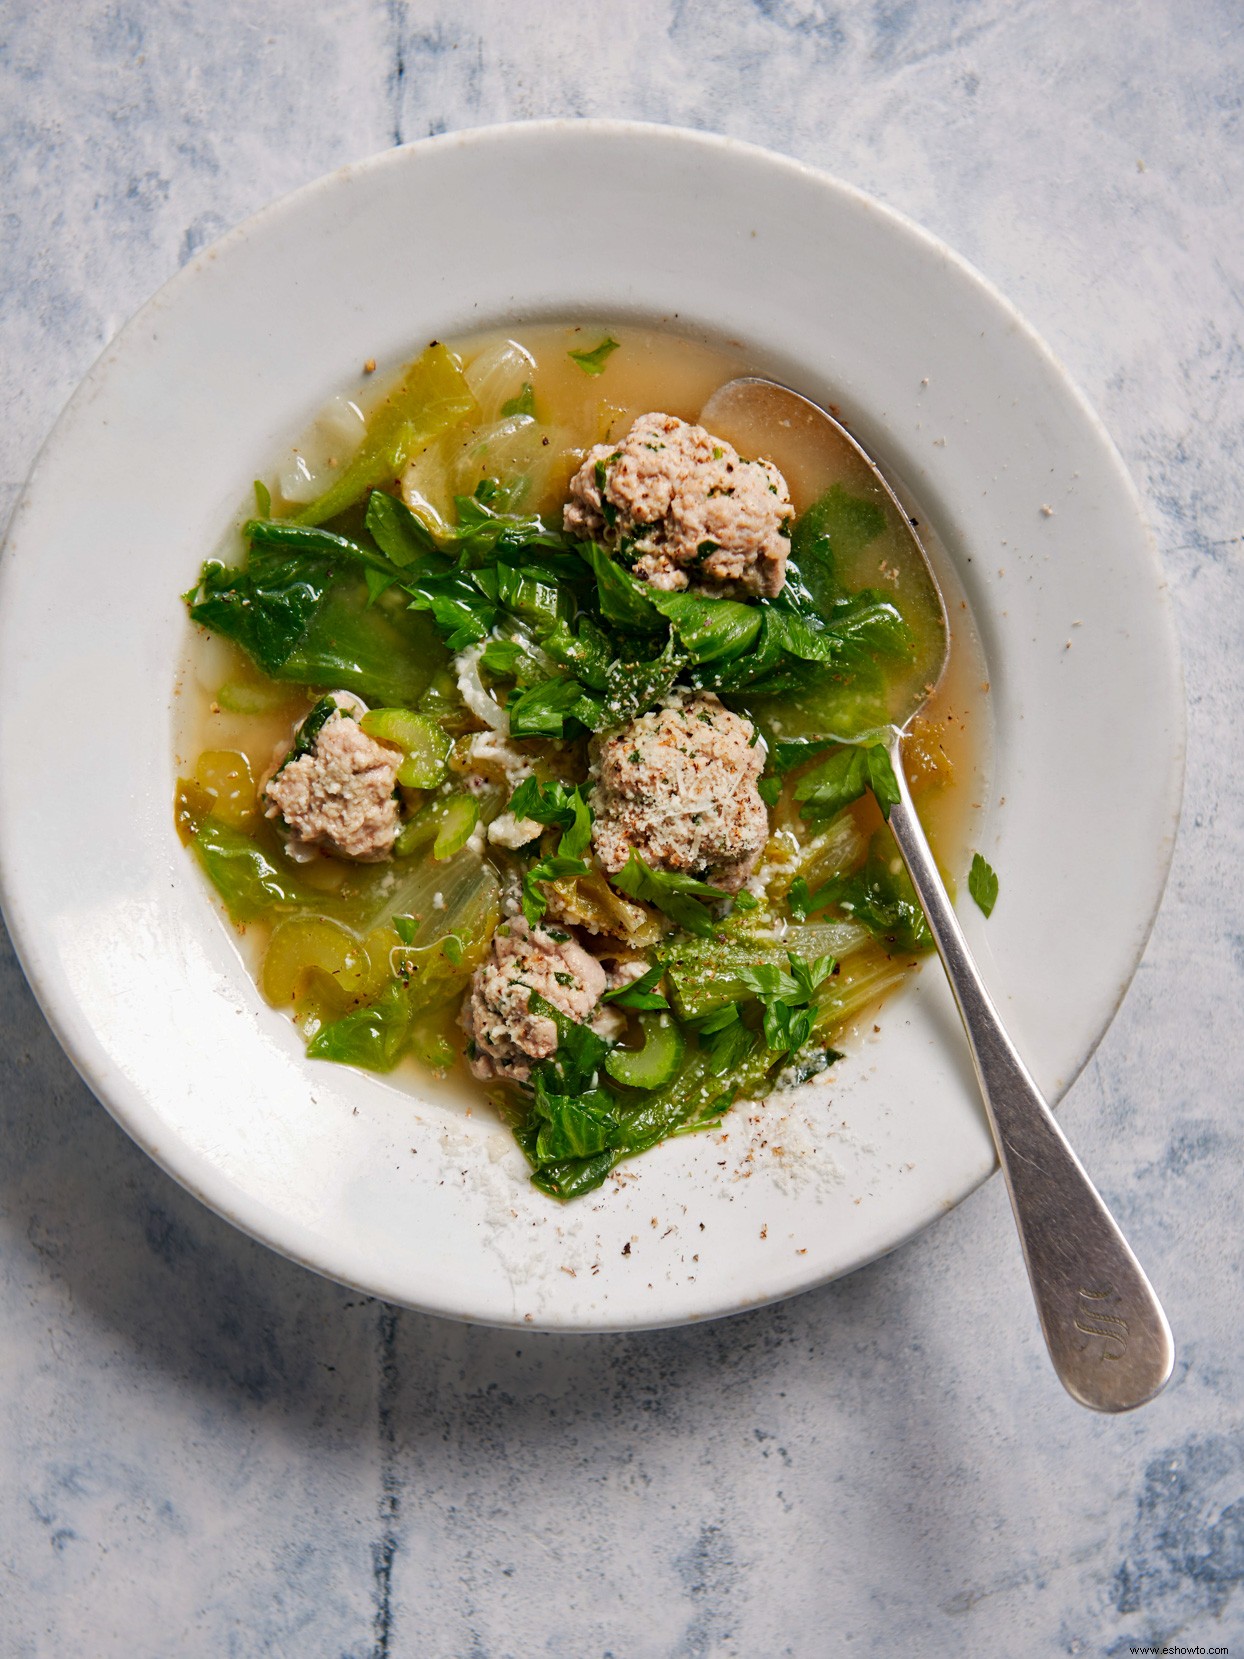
{"points": [[1107, 1334]]}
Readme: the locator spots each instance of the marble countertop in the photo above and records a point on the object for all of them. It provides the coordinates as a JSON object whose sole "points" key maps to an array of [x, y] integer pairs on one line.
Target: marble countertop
{"points": [[207, 1451]]}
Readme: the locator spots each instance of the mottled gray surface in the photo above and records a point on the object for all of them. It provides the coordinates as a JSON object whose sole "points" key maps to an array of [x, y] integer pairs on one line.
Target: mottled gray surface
{"points": [[207, 1451]]}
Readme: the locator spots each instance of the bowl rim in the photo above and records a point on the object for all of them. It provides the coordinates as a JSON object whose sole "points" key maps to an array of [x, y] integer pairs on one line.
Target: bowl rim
{"points": [[125, 1099]]}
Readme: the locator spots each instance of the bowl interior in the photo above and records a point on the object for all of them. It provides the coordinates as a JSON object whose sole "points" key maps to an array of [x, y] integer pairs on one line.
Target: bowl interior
{"points": [[414, 1199]]}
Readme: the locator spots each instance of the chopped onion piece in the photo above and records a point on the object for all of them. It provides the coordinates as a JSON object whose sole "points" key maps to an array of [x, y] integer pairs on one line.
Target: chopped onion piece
{"points": [[471, 689]]}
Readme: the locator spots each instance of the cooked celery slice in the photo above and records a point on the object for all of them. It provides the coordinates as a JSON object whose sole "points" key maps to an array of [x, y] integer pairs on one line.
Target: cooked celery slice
{"points": [[224, 777], [302, 946], [653, 1065], [252, 696], [426, 747], [461, 817]]}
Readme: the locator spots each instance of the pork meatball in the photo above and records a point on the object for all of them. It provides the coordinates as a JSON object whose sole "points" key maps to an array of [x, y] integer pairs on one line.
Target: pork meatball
{"points": [[340, 795], [684, 510], [678, 786], [506, 1037]]}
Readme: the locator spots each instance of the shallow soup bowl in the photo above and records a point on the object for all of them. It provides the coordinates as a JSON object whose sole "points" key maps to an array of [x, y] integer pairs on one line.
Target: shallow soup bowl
{"points": [[412, 1193]]}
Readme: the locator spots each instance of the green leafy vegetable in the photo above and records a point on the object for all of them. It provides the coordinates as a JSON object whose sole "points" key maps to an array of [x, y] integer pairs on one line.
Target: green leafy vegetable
{"points": [[641, 993], [843, 778], [566, 809], [580, 1051], [787, 998], [247, 879], [523, 404], [463, 612], [307, 734], [399, 534], [372, 1036], [267, 612], [677, 895], [620, 597], [553, 804], [593, 361], [573, 1126], [983, 884], [543, 710], [880, 896], [432, 396], [300, 610], [837, 526], [708, 628]]}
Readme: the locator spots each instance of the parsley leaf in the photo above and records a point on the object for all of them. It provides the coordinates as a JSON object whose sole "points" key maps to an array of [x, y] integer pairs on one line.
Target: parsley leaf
{"points": [[565, 809], [593, 361], [543, 710], [640, 993], [843, 778], [677, 895], [789, 1010], [983, 884], [554, 804], [523, 404]]}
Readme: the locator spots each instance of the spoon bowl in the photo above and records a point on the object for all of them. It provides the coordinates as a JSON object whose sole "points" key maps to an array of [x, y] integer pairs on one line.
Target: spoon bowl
{"points": [[820, 458], [1107, 1335]]}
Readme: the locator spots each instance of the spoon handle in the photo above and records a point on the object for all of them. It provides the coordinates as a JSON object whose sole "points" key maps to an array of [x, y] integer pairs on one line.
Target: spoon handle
{"points": [[1103, 1324]]}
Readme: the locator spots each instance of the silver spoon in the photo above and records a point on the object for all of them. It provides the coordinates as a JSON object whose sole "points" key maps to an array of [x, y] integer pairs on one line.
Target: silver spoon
{"points": [[1104, 1326]]}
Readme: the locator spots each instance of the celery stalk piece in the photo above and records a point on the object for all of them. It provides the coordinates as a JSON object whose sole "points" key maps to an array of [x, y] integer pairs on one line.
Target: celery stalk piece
{"points": [[653, 1065], [446, 821], [426, 747], [303, 945], [431, 397], [461, 817]]}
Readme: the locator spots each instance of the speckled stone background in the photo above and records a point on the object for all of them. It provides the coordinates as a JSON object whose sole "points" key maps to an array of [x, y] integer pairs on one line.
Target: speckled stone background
{"points": [[206, 1451]]}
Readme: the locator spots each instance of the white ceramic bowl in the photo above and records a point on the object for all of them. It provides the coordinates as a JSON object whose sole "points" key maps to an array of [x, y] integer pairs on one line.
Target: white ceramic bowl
{"points": [[409, 1199]]}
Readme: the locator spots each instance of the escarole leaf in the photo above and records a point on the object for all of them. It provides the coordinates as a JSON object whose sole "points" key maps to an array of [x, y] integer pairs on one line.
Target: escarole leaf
{"points": [[708, 628], [574, 1126], [399, 534], [372, 1036], [279, 535], [621, 598], [247, 879], [302, 607], [265, 614], [431, 396], [836, 527]]}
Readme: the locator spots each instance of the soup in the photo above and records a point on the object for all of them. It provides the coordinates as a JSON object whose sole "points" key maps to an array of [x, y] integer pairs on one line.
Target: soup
{"points": [[534, 732]]}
